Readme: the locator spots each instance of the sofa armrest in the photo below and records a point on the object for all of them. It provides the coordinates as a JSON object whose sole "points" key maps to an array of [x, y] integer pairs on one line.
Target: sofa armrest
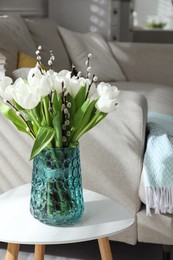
{"points": [[112, 152]]}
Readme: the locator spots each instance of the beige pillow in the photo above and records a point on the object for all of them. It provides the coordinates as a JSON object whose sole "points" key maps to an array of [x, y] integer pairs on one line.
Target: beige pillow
{"points": [[44, 32], [14, 37], [21, 34], [103, 64]]}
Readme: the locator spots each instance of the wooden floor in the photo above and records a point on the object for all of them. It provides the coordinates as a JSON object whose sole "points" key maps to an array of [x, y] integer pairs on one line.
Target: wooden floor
{"points": [[89, 251]]}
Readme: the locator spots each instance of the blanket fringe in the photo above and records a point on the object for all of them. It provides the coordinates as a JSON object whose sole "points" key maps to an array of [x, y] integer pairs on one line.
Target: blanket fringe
{"points": [[161, 199]]}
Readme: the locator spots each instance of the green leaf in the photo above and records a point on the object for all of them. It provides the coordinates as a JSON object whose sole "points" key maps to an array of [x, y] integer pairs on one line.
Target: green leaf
{"points": [[80, 97], [33, 117], [94, 121], [42, 118], [88, 114], [43, 139], [79, 115], [85, 118], [58, 130], [16, 120], [57, 103], [37, 112]]}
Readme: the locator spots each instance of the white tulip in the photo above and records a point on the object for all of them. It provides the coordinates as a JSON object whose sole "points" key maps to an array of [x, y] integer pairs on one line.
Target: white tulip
{"points": [[50, 75], [61, 81], [107, 97], [24, 94], [105, 104], [43, 87], [40, 80], [4, 83], [57, 80], [75, 85], [107, 89], [34, 74], [65, 73]]}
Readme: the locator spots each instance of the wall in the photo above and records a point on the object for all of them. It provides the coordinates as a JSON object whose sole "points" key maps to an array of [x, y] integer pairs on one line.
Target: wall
{"points": [[24, 7]]}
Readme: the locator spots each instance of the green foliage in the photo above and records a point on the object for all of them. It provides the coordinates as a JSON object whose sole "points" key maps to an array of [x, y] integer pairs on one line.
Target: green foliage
{"points": [[46, 119], [153, 25]]}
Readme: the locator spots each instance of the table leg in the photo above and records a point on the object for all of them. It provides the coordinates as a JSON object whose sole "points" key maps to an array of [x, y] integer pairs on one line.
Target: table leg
{"points": [[105, 249], [39, 252], [12, 251]]}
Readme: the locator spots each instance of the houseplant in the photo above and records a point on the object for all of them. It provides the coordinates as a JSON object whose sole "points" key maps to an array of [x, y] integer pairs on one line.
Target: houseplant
{"points": [[55, 110], [156, 22]]}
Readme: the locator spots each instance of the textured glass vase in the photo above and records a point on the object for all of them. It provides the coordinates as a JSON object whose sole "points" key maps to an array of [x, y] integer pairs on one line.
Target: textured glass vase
{"points": [[56, 190]]}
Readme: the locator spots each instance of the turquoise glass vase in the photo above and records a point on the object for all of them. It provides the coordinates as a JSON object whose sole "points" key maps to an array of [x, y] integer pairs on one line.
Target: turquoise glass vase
{"points": [[56, 189]]}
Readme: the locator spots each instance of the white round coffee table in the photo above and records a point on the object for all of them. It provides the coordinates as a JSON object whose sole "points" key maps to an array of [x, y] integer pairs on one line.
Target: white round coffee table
{"points": [[102, 217]]}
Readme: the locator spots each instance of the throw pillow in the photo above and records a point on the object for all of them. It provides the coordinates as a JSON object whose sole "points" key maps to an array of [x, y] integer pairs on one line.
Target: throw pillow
{"points": [[103, 63], [26, 61], [44, 32]]}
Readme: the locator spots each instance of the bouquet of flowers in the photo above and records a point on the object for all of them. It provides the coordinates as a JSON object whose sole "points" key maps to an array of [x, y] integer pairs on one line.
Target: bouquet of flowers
{"points": [[56, 108]]}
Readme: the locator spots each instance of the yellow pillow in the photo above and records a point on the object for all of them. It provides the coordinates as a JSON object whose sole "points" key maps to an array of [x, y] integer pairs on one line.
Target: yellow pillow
{"points": [[26, 61]]}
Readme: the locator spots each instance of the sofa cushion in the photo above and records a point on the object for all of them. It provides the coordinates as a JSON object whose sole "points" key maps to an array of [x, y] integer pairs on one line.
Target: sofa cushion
{"points": [[159, 97], [14, 37], [103, 64], [44, 32], [142, 62]]}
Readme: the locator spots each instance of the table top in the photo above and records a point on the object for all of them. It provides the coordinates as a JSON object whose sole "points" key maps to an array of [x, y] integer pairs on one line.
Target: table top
{"points": [[102, 217]]}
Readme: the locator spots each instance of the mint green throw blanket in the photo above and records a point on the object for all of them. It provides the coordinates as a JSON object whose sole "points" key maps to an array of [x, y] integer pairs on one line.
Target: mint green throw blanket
{"points": [[158, 164]]}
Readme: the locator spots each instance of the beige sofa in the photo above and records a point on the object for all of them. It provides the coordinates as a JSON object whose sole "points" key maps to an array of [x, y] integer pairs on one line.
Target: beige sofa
{"points": [[112, 153]]}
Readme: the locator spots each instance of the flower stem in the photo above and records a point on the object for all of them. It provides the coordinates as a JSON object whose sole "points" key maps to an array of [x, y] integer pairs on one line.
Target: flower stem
{"points": [[46, 111], [33, 118]]}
